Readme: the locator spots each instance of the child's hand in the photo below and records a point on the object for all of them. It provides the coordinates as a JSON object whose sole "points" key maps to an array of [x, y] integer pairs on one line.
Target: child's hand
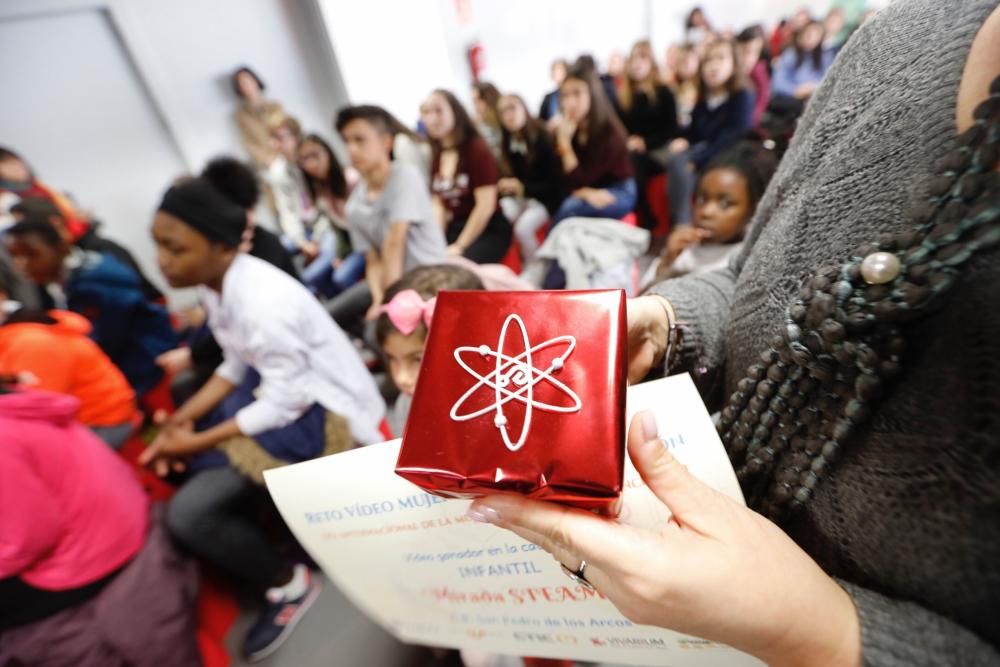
{"points": [[309, 250], [173, 442], [680, 240], [175, 361], [373, 311]]}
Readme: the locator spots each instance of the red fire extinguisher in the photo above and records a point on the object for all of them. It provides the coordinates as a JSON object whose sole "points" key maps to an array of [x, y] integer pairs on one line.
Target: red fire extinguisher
{"points": [[477, 60]]}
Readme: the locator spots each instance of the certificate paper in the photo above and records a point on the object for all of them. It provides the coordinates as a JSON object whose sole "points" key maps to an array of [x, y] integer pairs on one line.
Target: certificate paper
{"points": [[416, 565]]}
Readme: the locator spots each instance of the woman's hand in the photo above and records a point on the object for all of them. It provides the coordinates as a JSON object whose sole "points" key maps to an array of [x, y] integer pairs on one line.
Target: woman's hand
{"points": [[564, 131], [805, 90], [648, 328], [678, 145], [455, 250], [636, 144], [715, 569], [510, 186], [598, 198]]}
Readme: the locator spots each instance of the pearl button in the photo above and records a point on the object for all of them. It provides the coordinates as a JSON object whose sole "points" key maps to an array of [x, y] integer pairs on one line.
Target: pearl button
{"points": [[557, 363], [880, 268], [500, 421], [484, 350]]}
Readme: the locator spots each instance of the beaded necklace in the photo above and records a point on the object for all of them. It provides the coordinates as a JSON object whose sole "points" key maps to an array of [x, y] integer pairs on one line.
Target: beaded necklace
{"points": [[843, 342]]}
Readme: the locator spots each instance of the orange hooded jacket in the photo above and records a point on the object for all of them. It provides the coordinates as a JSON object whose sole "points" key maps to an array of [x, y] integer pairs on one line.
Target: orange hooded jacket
{"points": [[63, 359]]}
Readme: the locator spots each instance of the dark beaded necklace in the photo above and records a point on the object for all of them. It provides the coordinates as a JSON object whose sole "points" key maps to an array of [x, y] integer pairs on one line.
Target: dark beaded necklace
{"points": [[843, 342]]}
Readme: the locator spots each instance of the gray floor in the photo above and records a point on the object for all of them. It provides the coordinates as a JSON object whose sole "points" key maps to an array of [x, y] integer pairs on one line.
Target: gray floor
{"points": [[332, 634]]}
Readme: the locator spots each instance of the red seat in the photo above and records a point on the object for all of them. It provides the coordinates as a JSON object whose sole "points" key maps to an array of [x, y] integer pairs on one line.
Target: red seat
{"points": [[158, 398], [656, 195], [512, 259], [217, 611]]}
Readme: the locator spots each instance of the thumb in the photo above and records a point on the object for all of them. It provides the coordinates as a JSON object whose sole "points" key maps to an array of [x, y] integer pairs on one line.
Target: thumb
{"points": [[689, 500]]}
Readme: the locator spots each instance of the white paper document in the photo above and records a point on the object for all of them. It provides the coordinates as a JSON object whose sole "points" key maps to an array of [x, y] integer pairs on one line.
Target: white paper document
{"points": [[416, 565]]}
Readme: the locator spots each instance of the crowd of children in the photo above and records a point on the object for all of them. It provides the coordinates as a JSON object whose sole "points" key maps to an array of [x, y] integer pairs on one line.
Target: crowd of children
{"points": [[267, 369]]}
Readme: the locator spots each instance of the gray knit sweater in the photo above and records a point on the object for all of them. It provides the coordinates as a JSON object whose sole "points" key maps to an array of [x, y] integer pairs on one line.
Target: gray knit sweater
{"points": [[909, 519]]}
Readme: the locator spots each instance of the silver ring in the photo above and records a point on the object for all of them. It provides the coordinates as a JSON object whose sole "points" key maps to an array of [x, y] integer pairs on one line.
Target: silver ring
{"points": [[578, 576]]}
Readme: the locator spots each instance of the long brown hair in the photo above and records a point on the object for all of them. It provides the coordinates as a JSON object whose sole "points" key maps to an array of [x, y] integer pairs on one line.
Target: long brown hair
{"points": [[737, 80], [489, 94], [532, 133], [816, 54], [601, 120], [464, 130], [626, 94], [335, 180]]}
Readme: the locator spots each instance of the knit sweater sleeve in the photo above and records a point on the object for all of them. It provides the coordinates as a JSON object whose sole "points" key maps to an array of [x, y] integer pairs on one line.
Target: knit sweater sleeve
{"points": [[904, 634], [702, 302]]}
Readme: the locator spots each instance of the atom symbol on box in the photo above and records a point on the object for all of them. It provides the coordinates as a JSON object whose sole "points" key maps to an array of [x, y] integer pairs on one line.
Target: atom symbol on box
{"points": [[520, 372]]}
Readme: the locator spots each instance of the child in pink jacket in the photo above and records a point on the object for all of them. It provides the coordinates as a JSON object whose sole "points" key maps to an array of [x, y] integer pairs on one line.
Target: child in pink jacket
{"points": [[87, 575]]}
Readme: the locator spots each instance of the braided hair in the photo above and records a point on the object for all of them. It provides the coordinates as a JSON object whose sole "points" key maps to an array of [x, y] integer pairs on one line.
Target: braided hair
{"points": [[843, 344]]}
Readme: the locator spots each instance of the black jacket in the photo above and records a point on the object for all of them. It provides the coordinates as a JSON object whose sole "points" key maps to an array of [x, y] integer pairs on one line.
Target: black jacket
{"points": [[654, 120]]}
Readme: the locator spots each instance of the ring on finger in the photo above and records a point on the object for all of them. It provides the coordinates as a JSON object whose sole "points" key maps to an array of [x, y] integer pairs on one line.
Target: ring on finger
{"points": [[578, 575]]}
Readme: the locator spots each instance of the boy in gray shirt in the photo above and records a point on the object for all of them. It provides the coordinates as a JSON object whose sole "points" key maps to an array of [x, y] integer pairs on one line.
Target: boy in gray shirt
{"points": [[389, 212]]}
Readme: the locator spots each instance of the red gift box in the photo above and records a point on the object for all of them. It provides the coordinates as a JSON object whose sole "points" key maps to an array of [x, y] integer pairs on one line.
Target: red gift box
{"points": [[521, 392]]}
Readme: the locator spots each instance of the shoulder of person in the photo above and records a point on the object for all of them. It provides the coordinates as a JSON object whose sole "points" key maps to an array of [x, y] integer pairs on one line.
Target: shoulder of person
{"points": [[477, 147], [406, 175], [662, 90], [270, 290]]}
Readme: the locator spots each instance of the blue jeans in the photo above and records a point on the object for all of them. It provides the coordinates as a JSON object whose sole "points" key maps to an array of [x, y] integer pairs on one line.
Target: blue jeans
{"points": [[323, 279], [624, 193]]}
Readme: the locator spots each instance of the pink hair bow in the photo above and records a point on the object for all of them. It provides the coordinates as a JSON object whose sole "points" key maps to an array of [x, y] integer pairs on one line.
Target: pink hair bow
{"points": [[407, 309]]}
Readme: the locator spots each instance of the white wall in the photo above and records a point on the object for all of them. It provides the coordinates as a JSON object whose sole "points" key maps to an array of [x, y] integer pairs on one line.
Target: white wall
{"points": [[393, 52], [124, 95], [198, 43], [522, 37], [84, 121], [114, 121], [389, 52]]}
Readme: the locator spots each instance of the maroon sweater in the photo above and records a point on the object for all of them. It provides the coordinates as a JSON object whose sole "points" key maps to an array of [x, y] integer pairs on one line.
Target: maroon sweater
{"points": [[603, 163]]}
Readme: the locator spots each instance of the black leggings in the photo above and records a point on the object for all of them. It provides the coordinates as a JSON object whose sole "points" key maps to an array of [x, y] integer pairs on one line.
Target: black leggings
{"points": [[492, 245]]}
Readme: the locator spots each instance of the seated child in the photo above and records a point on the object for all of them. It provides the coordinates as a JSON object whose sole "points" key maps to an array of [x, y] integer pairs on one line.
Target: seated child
{"points": [[192, 365], [401, 327], [725, 201], [131, 329], [88, 574], [389, 213], [51, 351], [291, 387], [87, 238]]}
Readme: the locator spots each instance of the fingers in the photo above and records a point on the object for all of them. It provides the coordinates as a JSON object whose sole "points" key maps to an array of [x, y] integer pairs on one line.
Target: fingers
{"points": [[161, 417], [568, 534], [149, 454], [689, 500]]}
